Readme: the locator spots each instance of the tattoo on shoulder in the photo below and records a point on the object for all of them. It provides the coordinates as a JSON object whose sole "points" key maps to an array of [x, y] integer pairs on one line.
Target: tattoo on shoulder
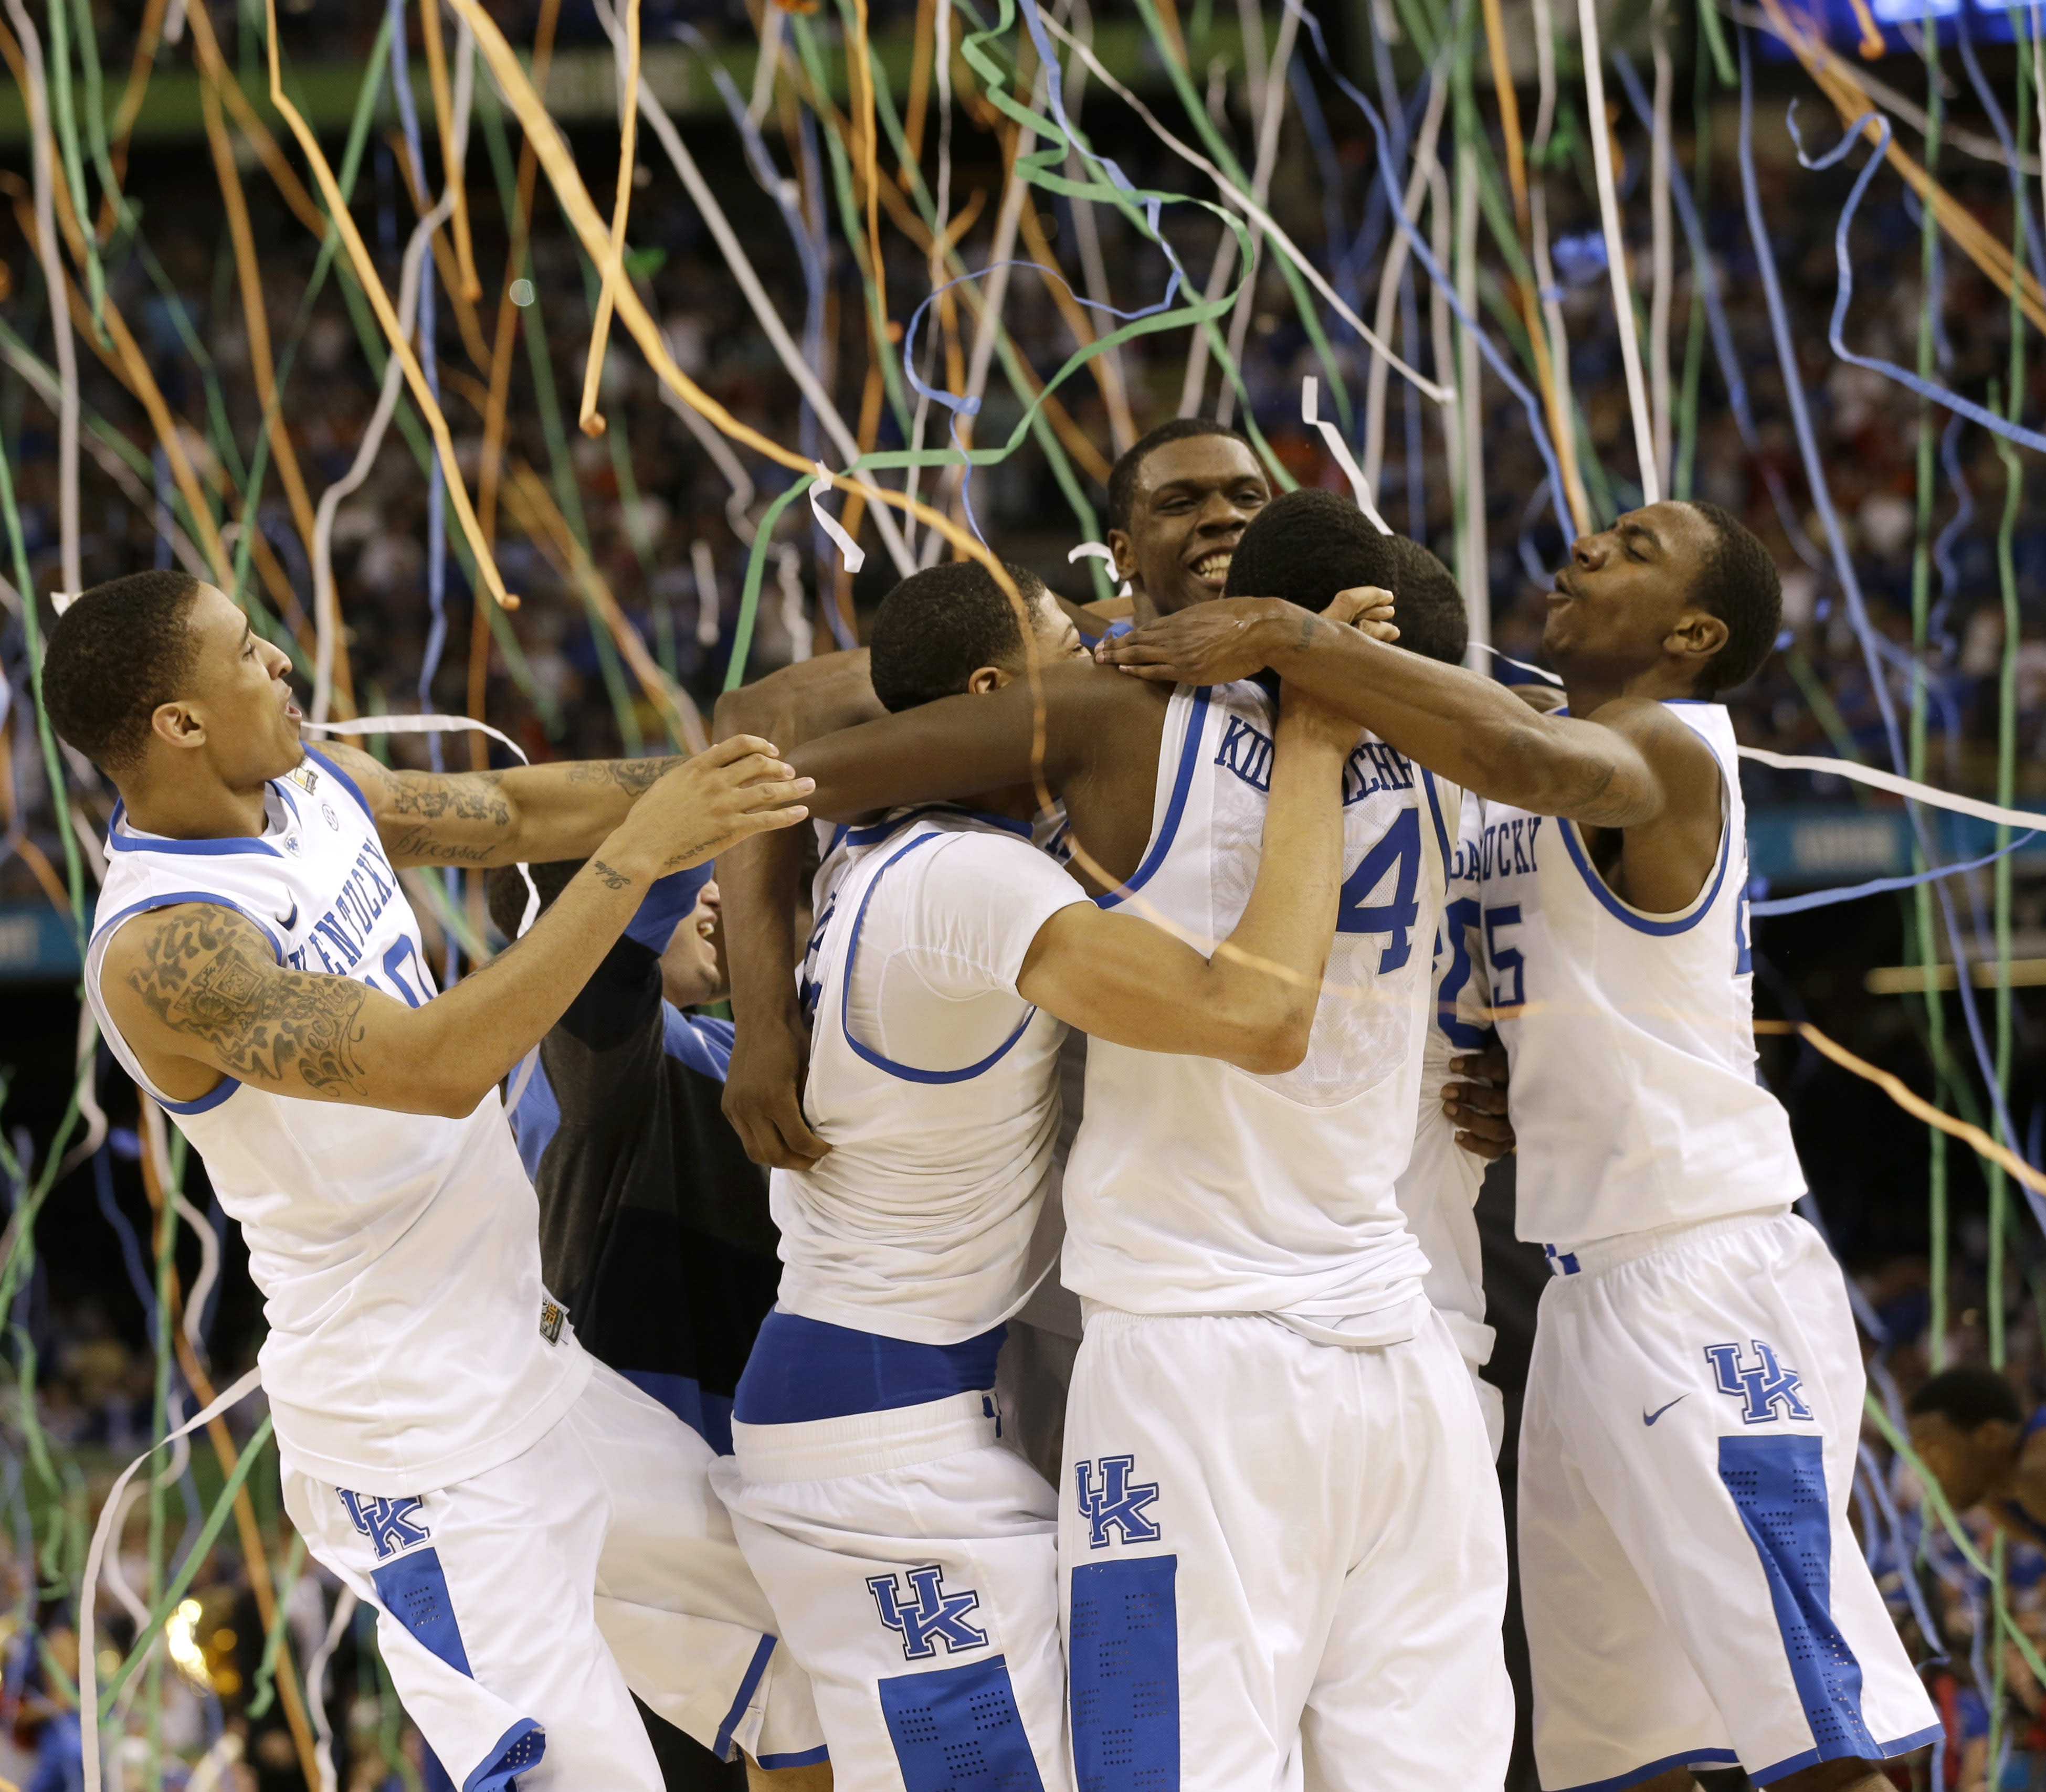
{"points": [[208, 973], [631, 776]]}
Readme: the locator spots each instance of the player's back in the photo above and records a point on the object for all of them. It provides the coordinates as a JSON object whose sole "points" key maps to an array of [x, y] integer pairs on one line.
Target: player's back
{"points": [[398, 1253], [1633, 1095], [1196, 1187], [934, 1082]]}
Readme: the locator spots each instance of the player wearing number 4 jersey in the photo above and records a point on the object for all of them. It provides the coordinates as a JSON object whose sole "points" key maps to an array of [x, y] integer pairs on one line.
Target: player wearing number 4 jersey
{"points": [[1279, 1531], [1694, 1595], [533, 1533], [909, 1556]]}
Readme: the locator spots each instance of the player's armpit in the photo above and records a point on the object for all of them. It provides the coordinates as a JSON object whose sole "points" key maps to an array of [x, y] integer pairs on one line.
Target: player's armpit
{"points": [[196, 989]]}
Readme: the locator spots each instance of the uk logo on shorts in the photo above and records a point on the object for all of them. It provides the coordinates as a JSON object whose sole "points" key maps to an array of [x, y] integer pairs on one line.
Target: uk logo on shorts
{"points": [[926, 1615], [392, 1526], [1761, 1389], [1118, 1502]]}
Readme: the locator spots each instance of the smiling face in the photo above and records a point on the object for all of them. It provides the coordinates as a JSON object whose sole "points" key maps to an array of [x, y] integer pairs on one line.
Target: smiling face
{"points": [[1192, 500], [691, 970], [237, 709], [1622, 609]]}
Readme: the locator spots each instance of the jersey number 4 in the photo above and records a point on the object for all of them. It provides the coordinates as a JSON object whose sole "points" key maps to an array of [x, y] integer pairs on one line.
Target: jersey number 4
{"points": [[1397, 855]]}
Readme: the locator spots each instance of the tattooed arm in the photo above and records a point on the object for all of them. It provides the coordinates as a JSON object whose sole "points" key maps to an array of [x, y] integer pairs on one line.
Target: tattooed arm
{"points": [[198, 995], [532, 813]]}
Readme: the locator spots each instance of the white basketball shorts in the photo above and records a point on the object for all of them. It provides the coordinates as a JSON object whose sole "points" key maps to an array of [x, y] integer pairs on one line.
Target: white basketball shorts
{"points": [[910, 1559], [496, 1597], [1693, 1593], [1284, 1562]]}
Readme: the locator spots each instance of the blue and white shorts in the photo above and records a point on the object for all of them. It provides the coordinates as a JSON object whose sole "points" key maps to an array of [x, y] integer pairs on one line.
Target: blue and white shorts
{"points": [[1694, 1595], [515, 1609]]}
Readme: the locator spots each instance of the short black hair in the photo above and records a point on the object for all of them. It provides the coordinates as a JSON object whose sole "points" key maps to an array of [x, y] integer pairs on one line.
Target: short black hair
{"points": [[938, 627], [505, 890], [1969, 1399], [116, 654], [1122, 475], [1740, 585], [1305, 546]]}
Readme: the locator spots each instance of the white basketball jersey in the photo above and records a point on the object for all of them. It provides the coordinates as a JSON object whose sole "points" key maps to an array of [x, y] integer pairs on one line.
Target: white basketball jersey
{"points": [[1194, 1187], [398, 1254], [936, 1083], [1633, 1095]]}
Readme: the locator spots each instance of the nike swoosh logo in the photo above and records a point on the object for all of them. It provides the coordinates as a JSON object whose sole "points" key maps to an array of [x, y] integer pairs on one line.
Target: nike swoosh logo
{"points": [[288, 922], [1649, 1418]]}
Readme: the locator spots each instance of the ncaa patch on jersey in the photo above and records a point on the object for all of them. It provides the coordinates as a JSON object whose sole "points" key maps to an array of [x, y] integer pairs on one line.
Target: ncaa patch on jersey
{"points": [[551, 1317]]}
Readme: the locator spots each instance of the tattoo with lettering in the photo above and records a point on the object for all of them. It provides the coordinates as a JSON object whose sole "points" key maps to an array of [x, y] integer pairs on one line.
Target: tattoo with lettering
{"points": [[208, 972], [421, 841], [610, 879], [633, 776]]}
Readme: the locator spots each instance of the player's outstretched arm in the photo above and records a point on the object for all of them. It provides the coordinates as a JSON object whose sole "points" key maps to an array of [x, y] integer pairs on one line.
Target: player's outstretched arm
{"points": [[528, 813], [198, 993], [1617, 769], [1252, 1004]]}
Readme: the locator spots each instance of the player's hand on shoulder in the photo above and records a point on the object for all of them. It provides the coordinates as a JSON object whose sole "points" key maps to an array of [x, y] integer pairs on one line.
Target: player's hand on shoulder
{"points": [[1209, 643], [728, 792], [763, 1092], [1476, 1102]]}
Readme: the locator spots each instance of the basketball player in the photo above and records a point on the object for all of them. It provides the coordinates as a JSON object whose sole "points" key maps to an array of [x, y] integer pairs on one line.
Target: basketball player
{"points": [[1694, 1595], [1970, 1430], [1281, 1548], [886, 1522], [507, 1507]]}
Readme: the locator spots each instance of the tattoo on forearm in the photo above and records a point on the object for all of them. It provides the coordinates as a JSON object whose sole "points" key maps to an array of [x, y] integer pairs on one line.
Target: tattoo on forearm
{"points": [[633, 776], [471, 796], [421, 841], [610, 879], [208, 973]]}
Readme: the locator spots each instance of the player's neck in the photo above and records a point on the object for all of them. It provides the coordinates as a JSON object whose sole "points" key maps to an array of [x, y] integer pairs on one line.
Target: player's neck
{"points": [[1589, 688], [195, 805]]}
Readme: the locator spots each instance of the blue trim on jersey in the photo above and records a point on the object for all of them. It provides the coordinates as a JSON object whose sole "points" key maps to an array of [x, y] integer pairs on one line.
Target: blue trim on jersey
{"points": [[414, 1590], [876, 831], [210, 898], [802, 1758], [722, 1748], [1435, 809], [805, 1368], [342, 778], [1643, 924], [1123, 1680], [957, 1729], [908, 1074], [1883, 1751], [1778, 1485], [1634, 1776], [240, 843], [519, 1750], [1183, 781], [205, 1104]]}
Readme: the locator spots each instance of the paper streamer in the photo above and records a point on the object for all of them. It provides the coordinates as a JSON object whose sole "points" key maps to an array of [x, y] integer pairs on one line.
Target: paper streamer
{"points": [[850, 551], [1360, 487]]}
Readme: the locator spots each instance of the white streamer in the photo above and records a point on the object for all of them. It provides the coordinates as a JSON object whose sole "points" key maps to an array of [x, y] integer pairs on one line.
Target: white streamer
{"points": [[88, 1644], [849, 550], [1911, 787], [1360, 487], [344, 1603], [416, 725]]}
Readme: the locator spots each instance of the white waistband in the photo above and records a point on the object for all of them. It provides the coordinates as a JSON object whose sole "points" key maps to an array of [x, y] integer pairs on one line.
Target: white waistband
{"points": [[866, 1443], [1393, 1324], [1609, 1254]]}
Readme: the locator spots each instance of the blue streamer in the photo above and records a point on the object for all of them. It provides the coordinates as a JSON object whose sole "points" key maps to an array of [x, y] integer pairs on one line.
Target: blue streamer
{"points": [[1876, 886], [1924, 388], [1486, 346]]}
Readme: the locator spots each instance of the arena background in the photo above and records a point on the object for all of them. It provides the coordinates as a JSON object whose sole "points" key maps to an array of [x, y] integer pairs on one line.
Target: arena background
{"points": [[180, 211]]}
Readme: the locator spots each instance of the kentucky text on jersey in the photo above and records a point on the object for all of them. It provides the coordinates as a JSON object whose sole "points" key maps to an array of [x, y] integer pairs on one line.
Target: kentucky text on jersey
{"points": [[1373, 767], [1508, 845], [346, 925]]}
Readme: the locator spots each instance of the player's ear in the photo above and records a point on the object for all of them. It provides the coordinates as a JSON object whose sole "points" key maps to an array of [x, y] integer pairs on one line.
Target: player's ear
{"points": [[985, 679], [1697, 635], [179, 724], [1124, 551]]}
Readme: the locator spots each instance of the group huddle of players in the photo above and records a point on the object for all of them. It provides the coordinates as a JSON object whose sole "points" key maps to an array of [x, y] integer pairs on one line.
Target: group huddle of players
{"points": [[1118, 1424]]}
